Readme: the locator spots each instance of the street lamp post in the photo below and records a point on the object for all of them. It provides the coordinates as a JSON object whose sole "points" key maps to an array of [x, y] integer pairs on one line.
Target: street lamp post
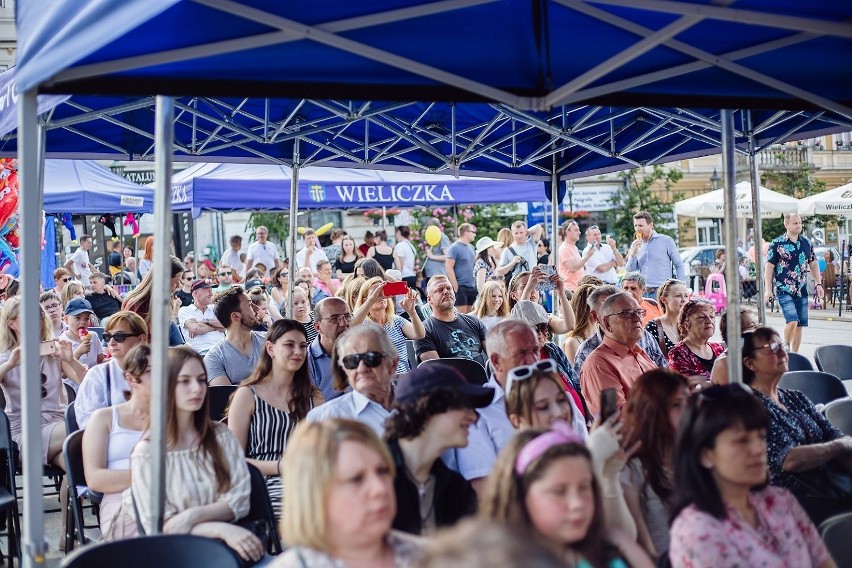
{"points": [[714, 179]]}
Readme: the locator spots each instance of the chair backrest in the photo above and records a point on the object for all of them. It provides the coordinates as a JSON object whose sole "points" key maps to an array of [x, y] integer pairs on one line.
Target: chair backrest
{"points": [[72, 449], [71, 419], [470, 369], [219, 397], [839, 413], [70, 393], [835, 533], [835, 359], [412, 353], [260, 508], [820, 388], [796, 362], [173, 550], [7, 454]]}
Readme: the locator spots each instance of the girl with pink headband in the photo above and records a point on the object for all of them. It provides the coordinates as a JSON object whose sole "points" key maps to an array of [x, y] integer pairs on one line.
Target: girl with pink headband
{"points": [[544, 482]]}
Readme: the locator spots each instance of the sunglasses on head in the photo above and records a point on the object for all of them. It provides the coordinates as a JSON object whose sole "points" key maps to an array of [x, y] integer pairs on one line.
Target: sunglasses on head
{"points": [[524, 372], [119, 336], [371, 358]]}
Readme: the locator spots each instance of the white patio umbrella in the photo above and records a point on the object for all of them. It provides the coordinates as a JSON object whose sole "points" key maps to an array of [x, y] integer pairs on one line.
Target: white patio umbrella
{"points": [[837, 201], [712, 204]]}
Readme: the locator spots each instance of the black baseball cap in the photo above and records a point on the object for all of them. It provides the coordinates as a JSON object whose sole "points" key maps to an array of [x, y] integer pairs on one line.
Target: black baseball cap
{"points": [[199, 284], [430, 377]]}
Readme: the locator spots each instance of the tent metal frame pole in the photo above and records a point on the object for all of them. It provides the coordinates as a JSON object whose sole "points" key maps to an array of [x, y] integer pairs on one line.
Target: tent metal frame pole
{"points": [[757, 221], [160, 306], [729, 174], [554, 228], [33, 543], [294, 211]]}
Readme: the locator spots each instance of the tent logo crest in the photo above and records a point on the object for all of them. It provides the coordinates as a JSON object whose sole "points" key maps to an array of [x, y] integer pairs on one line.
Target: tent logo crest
{"points": [[317, 192]]}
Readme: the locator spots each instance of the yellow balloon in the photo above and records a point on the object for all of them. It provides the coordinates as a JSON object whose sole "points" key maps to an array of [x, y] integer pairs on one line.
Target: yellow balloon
{"points": [[324, 229], [433, 236], [301, 230]]}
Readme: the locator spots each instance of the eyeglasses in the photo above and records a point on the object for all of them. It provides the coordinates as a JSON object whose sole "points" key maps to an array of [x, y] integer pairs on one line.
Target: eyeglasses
{"points": [[776, 347], [66, 279], [52, 307], [119, 336], [524, 372], [337, 318], [629, 314], [283, 273], [371, 358]]}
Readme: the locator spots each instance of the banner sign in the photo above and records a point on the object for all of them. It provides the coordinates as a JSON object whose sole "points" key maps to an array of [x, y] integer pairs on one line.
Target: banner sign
{"points": [[220, 194]]}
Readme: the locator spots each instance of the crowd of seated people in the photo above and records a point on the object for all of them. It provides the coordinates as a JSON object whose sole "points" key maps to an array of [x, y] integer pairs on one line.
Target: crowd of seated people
{"points": [[622, 445]]}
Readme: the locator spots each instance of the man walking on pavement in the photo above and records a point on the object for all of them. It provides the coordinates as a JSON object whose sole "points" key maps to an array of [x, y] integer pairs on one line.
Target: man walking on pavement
{"points": [[790, 255], [653, 255]]}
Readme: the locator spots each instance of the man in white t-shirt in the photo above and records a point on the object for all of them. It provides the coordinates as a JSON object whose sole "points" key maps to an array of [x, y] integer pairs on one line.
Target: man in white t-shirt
{"points": [[231, 258], [262, 252], [199, 320], [604, 262], [522, 253], [311, 254], [404, 256], [78, 264]]}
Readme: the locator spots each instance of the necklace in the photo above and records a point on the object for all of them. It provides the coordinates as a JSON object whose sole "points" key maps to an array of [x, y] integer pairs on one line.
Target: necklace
{"points": [[427, 502]]}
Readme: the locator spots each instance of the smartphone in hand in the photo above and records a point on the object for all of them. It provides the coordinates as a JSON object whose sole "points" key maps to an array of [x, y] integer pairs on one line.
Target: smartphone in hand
{"points": [[609, 404], [395, 289], [49, 347]]}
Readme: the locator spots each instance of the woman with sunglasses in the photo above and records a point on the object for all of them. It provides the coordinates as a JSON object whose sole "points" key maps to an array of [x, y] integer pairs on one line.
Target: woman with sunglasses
{"points": [[725, 515], [207, 481], [695, 354], [110, 435], [671, 296], [364, 359], [278, 286], [433, 409], [374, 307], [544, 482], [748, 322], [651, 416], [104, 385], [804, 447], [271, 402]]}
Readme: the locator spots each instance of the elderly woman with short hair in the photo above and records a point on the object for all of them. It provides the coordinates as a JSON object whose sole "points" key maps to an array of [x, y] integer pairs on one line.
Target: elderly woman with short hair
{"points": [[339, 500], [364, 359], [695, 354]]}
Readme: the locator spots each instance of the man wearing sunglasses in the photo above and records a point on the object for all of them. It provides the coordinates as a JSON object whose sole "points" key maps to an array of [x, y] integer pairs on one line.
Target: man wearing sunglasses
{"points": [[619, 360], [199, 320], [363, 360], [510, 343], [225, 276]]}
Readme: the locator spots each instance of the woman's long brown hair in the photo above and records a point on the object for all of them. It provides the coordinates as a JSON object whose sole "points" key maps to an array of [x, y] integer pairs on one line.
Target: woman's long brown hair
{"points": [[206, 428]]}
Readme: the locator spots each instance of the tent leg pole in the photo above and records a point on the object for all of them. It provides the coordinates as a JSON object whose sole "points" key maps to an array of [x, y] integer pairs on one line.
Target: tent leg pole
{"points": [[757, 220], [161, 304], [294, 211], [554, 229], [34, 545], [731, 262]]}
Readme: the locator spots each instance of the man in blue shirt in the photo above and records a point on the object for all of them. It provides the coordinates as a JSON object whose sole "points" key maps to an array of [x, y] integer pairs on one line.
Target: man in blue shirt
{"points": [[653, 255], [460, 259], [786, 267], [331, 318]]}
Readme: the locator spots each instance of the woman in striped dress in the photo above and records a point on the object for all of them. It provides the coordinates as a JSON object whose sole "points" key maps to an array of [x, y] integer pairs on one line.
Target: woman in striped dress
{"points": [[373, 306], [272, 401]]}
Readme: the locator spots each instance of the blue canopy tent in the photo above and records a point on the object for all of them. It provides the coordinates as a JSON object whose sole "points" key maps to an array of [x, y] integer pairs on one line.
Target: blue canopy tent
{"points": [[521, 55], [82, 187], [229, 187]]}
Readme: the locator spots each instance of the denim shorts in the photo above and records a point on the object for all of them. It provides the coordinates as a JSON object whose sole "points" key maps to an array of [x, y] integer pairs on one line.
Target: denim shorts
{"points": [[794, 308]]}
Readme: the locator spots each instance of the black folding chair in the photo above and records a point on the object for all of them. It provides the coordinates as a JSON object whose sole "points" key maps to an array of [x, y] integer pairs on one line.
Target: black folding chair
{"points": [[796, 362], [78, 492], [820, 388], [836, 533], [835, 359], [219, 397], [839, 413], [173, 550], [8, 491], [260, 509], [470, 369], [71, 425]]}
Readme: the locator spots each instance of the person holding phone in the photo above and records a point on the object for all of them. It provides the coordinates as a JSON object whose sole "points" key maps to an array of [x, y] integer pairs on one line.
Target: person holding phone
{"points": [[605, 259], [374, 305]]}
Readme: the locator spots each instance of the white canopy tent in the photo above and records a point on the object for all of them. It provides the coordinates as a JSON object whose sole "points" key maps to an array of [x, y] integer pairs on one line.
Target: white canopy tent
{"points": [[712, 204], [837, 201]]}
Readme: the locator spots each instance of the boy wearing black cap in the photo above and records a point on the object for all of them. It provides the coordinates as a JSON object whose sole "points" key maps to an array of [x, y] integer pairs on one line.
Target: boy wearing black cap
{"points": [[433, 409]]}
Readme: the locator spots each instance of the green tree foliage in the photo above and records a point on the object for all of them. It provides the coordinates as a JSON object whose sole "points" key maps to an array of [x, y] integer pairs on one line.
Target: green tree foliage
{"points": [[798, 182], [277, 223], [649, 191]]}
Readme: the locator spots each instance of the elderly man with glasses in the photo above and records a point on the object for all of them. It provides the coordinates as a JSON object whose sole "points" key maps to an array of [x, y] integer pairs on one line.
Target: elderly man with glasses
{"points": [[619, 360], [331, 318]]}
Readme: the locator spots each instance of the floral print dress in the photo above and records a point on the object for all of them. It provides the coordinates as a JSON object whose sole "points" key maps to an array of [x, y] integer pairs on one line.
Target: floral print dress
{"points": [[791, 260]]}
